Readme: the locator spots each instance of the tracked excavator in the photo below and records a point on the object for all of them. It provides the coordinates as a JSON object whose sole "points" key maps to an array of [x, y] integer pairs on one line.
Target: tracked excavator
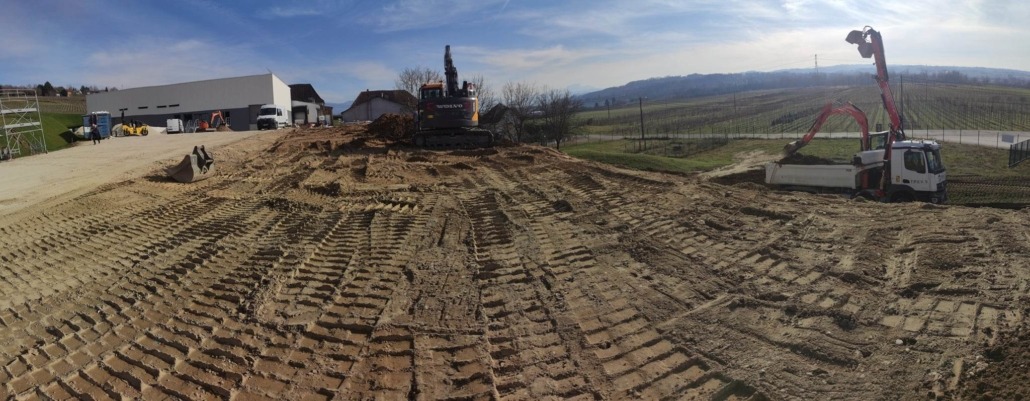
{"points": [[887, 168], [448, 116]]}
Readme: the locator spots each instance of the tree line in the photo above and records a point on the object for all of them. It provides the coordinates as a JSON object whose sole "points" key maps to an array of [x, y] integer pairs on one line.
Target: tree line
{"points": [[524, 112], [48, 89]]}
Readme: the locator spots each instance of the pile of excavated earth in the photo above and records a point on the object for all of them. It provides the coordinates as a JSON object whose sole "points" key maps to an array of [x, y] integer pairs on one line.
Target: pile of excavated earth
{"points": [[339, 264]]}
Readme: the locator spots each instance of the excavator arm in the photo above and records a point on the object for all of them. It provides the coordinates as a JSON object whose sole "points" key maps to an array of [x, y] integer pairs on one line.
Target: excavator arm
{"points": [[828, 111], [450, 72]]}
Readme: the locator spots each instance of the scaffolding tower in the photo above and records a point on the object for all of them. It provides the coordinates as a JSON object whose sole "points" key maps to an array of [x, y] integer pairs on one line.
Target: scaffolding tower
{"points": [[21, 127]]}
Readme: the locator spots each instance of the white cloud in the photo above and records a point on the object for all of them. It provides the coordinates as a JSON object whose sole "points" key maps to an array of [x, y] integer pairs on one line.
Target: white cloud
{"points": [[525, 59], [290, 12], [148, 61], [419, 14]]}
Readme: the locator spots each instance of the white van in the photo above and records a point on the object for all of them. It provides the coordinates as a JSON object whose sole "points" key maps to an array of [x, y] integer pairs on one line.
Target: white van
{"points": [[272, 117]]}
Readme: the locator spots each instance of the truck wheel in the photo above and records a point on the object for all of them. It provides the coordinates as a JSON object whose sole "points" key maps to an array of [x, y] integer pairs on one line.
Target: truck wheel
{"points": [[865, 196]]}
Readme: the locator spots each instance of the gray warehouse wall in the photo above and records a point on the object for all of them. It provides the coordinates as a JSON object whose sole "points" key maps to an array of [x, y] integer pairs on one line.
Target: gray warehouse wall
{"points": [[239, 119]]}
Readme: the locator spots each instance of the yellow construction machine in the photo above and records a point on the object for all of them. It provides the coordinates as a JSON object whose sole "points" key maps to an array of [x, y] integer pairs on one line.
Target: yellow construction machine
{"points": [[135, 128]]}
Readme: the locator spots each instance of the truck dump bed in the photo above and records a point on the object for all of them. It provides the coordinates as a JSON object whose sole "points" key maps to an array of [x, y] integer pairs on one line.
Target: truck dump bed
{"points": [[826, 176]]}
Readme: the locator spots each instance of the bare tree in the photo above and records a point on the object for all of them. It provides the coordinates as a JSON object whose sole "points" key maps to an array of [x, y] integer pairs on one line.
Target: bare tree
{"points": [[484, 92], [520, 97], [559, 109], [412, 78]]}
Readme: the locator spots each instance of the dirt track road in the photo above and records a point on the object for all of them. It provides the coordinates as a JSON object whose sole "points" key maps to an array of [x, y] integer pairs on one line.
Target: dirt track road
{"points": [[326, 266], [31, 180]]}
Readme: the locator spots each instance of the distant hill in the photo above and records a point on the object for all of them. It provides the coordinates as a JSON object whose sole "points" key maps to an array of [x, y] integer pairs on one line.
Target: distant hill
{"points": [[698, 85]]}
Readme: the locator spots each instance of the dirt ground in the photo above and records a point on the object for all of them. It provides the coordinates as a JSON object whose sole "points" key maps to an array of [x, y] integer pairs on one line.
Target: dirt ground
{"points": [[325, 264]]}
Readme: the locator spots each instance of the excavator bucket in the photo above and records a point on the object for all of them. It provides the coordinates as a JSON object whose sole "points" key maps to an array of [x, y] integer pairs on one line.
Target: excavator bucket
{"points": [[195, 166], [793, 148], [858, 38]]}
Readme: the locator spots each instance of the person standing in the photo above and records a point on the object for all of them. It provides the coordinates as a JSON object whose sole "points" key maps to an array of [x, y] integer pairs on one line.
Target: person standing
{"points": [[94, 132]]}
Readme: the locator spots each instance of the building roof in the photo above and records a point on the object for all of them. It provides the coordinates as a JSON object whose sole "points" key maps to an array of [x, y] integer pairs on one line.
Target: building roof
{"points": [[399, 96], [305, 93], [494, 115]]}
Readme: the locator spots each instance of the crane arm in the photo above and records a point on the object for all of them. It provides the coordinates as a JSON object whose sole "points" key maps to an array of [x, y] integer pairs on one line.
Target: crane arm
{"points": [[870, 44], [828, 111]]}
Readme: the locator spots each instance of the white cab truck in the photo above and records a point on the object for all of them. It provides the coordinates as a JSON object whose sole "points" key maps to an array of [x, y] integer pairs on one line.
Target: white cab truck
{"points": [[914, 172], [272, 116]]}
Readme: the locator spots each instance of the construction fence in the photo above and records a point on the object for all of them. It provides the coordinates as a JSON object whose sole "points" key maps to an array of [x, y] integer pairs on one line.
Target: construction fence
{"points": [[968, 114], [1019, 152]]}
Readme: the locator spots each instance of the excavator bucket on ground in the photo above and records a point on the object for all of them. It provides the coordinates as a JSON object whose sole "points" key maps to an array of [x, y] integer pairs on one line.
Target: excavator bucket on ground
{"points": [[195, 166]]}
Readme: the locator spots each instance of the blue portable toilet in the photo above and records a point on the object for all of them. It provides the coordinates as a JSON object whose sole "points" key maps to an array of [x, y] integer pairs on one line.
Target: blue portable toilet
{"points": [[103, 124]]}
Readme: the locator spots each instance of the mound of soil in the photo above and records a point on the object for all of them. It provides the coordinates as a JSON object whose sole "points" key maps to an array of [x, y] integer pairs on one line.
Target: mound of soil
{"points": [[392, 126], [355, 273], [1002, 374]]}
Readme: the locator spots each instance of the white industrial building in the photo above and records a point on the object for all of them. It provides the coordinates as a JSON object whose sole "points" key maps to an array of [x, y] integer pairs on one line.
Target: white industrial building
{"points": [[239, 99], [369, 105]]}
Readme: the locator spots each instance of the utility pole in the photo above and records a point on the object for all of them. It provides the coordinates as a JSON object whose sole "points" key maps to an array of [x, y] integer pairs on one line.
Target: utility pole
{"points": [[642, 141]]}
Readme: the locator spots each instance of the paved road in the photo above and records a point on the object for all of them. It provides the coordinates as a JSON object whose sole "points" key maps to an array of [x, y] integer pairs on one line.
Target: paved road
{"points": [[994, 139], [69, 172]]}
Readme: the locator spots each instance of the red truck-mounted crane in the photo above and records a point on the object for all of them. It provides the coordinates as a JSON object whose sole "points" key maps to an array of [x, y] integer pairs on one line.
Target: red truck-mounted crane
{"points": [[870, 44]]}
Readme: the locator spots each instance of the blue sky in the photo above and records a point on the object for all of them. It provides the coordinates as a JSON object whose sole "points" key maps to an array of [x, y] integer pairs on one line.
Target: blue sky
{"points": [[346, 46]]}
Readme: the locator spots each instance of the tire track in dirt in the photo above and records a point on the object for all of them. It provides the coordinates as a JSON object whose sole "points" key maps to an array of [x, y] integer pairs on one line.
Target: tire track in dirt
{"points": [[767, 270], [345, 272], [636, 360], [123, 303], [528, 353]]}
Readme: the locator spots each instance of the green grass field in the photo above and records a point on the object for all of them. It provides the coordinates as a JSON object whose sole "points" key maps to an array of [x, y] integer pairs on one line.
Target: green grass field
{"points": [[960, 159], [979, 175], [59, 116], [56, 129], [792, 111]]}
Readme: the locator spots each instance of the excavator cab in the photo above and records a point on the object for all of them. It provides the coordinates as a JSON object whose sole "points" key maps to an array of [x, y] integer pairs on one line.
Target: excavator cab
{"points": [[876, 141]]}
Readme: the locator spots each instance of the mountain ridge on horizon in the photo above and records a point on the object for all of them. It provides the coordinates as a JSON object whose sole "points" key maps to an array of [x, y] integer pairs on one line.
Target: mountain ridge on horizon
{"points": [[697, 85]]}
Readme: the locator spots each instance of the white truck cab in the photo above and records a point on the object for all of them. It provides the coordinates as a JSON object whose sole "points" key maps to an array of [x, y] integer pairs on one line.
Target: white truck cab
{"points": [[272, 116], [917, 172]]}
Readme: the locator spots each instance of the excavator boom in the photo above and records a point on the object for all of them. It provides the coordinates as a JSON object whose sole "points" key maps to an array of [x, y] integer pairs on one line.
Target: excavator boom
{"points": [[450, 72], [828, 111]]}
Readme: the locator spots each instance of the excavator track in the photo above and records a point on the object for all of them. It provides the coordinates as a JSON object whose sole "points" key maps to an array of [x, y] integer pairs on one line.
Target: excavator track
{"points": [[454, 139]]}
